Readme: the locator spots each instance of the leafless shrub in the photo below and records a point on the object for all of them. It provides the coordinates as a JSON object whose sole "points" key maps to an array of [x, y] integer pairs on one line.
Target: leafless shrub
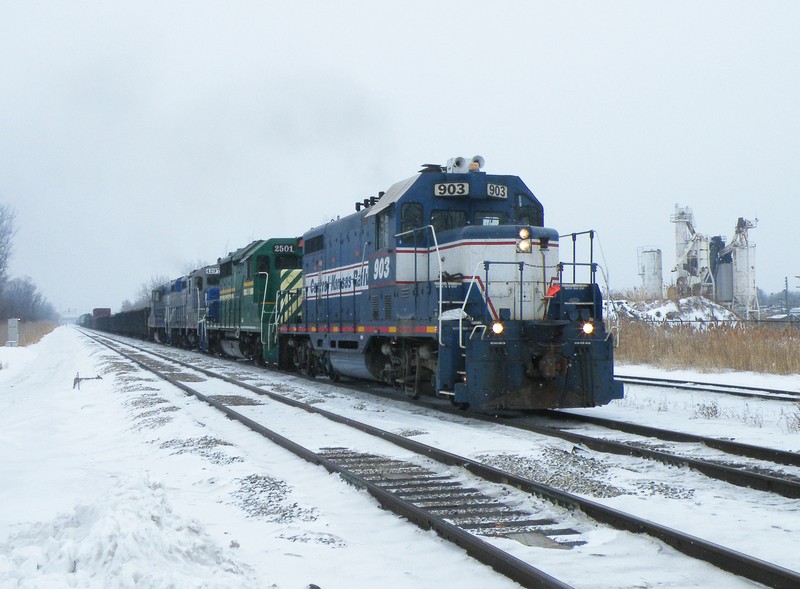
{"points": [[707, 410], [751, 417], [791, 419]]}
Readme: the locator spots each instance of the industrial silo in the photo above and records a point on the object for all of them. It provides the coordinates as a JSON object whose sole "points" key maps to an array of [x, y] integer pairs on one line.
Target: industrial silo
{"points": [[650, 270], [724, 282]]}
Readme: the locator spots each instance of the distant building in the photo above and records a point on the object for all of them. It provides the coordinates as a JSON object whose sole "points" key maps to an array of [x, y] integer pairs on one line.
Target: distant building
{"points": [[710, 268]]}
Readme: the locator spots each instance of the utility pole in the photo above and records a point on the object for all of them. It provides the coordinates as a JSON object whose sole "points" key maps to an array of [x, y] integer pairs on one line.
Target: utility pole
{"points": [[786, 294], [790, 316]]}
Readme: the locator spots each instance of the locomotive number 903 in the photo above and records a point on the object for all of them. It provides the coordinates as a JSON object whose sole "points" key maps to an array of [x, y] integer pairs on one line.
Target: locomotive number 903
{"points": [[451, 189], [382, 268]]}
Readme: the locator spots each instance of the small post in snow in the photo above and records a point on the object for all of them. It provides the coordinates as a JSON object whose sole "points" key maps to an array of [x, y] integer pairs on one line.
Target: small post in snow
{"points": [[76, 384]]}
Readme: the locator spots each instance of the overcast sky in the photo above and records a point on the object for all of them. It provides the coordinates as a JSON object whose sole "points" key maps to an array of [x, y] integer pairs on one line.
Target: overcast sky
{"points": [[139, 138]]}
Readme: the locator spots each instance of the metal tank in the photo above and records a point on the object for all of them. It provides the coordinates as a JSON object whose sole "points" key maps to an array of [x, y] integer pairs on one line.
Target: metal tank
{"points": [[650, 269], [724, 282]]}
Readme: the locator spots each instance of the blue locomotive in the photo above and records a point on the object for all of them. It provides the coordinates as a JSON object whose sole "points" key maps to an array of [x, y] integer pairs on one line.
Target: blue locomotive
{"points": [[449, 284]]}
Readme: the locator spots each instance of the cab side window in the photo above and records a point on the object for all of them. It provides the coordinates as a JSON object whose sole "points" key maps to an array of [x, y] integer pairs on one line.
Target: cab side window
{"points": [[382, 231], [411, 217]]}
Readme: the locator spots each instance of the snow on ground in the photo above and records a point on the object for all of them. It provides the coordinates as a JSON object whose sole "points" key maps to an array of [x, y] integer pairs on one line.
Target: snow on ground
{"points": [[97, 493], [115, 486], [762, 422], [689, 309]]}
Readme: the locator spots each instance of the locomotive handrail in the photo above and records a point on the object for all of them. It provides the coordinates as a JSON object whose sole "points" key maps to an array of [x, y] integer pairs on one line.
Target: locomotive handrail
{"points": [[591, 264], [464, 306], [263, 307], [360, 270], [281, 298], [441, 272], [482, 327], [277, 310], [520, 266]]}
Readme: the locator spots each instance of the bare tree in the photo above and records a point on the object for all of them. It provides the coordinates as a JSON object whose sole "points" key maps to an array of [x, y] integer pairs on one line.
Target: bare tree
{"points": [[145, 292], [21, 299], [7, 231], [190, 267]]}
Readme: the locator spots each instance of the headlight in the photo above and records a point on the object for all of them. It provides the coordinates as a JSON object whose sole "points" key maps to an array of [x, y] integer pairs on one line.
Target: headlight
{"points": [[524, 245], [588, 328], [524, 233], [497, 328]]}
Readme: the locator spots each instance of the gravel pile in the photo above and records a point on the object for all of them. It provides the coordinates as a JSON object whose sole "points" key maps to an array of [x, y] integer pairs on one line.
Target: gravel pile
{"points": [[264, 497], [207, 447], [235, 400], [567, 471]]}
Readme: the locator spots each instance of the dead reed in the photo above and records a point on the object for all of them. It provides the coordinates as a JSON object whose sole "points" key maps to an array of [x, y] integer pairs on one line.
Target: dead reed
{"points": [[29, 333], [755, 347]]}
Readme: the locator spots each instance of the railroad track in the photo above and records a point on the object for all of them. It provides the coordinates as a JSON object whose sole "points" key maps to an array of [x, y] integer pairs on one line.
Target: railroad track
{"points": [[688, 385], [772, 455], [764, 475], [459, 505], [754, 476]]}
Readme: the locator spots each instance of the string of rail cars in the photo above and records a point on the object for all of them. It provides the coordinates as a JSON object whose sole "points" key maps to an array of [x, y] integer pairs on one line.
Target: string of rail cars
{"points": [[448, 283]]}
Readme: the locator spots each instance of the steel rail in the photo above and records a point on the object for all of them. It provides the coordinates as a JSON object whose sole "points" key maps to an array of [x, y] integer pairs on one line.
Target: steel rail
{"points": [[724, 558], [737, 448], [728, 474], [726, 389]]}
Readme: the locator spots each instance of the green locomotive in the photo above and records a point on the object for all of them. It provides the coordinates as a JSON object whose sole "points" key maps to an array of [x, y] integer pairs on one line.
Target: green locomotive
{"points": [[241, 323]]}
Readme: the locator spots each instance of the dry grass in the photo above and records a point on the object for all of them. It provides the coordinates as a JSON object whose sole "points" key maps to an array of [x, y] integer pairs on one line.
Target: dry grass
{"points": [[756, 348], [29, 333]]}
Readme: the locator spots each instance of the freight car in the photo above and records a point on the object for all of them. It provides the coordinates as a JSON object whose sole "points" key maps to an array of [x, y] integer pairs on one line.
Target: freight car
{"points": [[448, 283], [131, 323], [86, 320]]}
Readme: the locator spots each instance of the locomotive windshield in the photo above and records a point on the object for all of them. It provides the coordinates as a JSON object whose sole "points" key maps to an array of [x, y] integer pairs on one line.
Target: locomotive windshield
{"points": [[478, 212], [529, 216], [287, 262], [443, 220]]}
